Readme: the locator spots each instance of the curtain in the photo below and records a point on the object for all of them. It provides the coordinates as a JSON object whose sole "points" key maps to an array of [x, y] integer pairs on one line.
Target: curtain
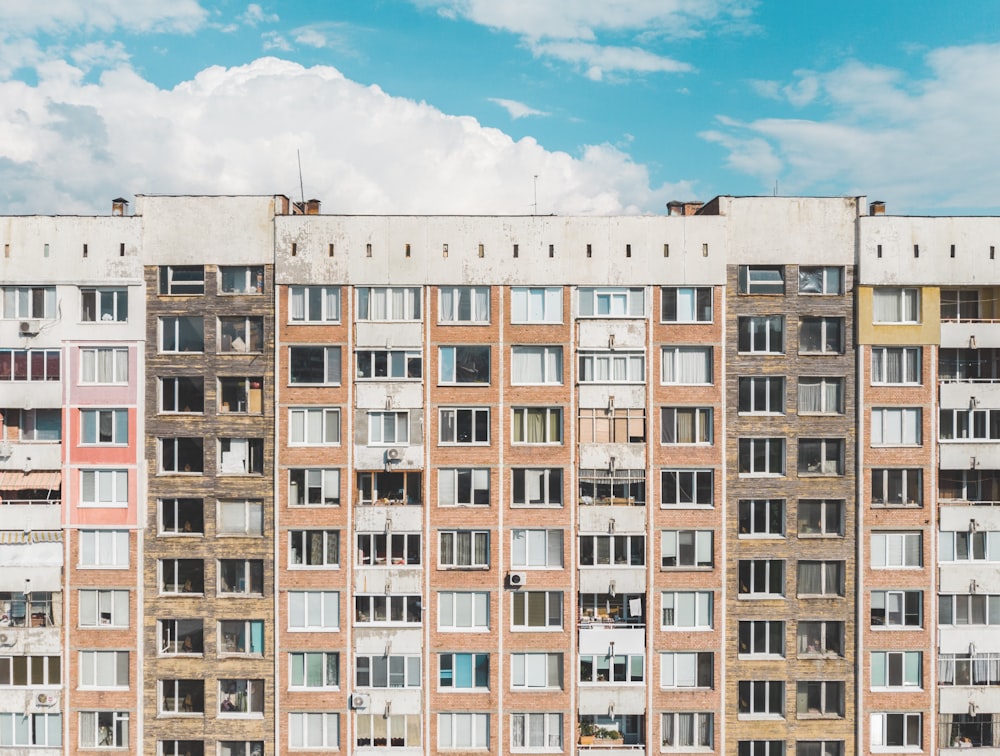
{"points": [[810, 395], [810, 578], [378, 307], [685, 427], [832, 579], [535, 422], [298, 305], [885, 306], [685, 730], [528, 365], [517, 730]]}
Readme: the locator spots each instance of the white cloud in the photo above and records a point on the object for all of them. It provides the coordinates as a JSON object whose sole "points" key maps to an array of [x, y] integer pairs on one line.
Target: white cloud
{"points": [[925, 142], [598, 60], [102, 15], [272, 40], [329, 34], [255, 14], [69, 146], [99, 54], [517, 109]]}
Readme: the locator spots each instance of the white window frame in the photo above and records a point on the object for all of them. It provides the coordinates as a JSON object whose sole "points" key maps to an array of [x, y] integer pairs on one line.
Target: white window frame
{"points": [[612, 367], [750, 443], [829, 284], [768, 566], [550, 610], [332, 365], [896, 670], [397, 671], [299, 670], [613, 551], [454, 726], [884, 475], [772, 405], [611, 302], [839, 507], [528, 670], [761, 698], [879, 727], [119, 427], [109, 305], [300, 306], [303, 607], [904, 311], [687, 611], [543, 360], [452, 418], [700, 728], [478, 543], [761, 279], [686, 304], [894, 603], [452, 301], [163, 443], [252, 516], [390, 604], [324, 481], [679, 669], [29, 302], [388, 427], [171, 325], [674, 358], [536, 304], [897, 550], [756, 518], [245, 279], [536, 548], [110, 736], [50, 729], [702, 426], [969, 546], [379, 724], [330, 539], [380, 549], [758, 329], [302, 726], [454, 605], [831, 632], [965, 425], [824, 386], [245, 570], [90, 374], [474, 659], [409, 304], [685, 486], [701, 546], [761, 639], [106, 488], [399, 365], [97, 603], [831, 456], [253, 689], [452, 479], [831, 704], [886, 420], [634, 665], [449, 364], [837, 567], [110, 549], [827, 324], [167, 284], [30, 433], [909, 358], [301, 437], [92, 663], [521, 731], [520, 416], [538, 480], [248, 632]]}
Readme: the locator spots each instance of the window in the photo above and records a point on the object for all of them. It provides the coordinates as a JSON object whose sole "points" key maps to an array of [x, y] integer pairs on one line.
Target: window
{"points": [[104, 729], [464, 610], [103, 305], [762, 638], [900, 426], [314, 548], [103, 669], [819, 748], [896, 305], [897, 488], [963, 424], [464, 364], [597, 610], [899, 609], [241, 637], [762, 456], [392, 731], [314, 730], [464, 731], [241, 747], [464, 304], [30, 365], [821, 396], [686, 425], [612, 426], [761, 279], [24, 302], [391, 365], [821, 280], [965, 365], [969, 609], [182, 280], [686, 548], [464, 426], [30, 671], [104, 488], [897, 550], [463, 487], [612, 367], [241, 279], [241, 697], [383, 303], [821, 456], [380, 549], [380, 671], [98, 365], [761, 334], [602, 487], [241, 334], [686, 365], [536, 365], [537, 425], [314, 426], [762, 517], [969, 485], [182, 696], [314, 304], [821, 517], [612, 302], [181, 748], [536, 670], [896, 365], [388, 428], [960, 669], [314, 487], [104, 608], [536, 732], [464, 549], [99, 426], [240, 395], [104, 548], [182, 576], [960, 304], [31, 730], [683, 488], [536, 548], [761, 698], [42, 425], [314, 669], [686, 669], [387, 488], [819, 698], [762, 395], [821, 335], [181, 636], [897, 730], [314, 365], [687, 730], [241, 577], [820, 578], [536, 305], [181, 455], [182, 333], [687, 610], [761, 578], [686, 304], [537, 487], [464, 671], [612, 550], [537, 610], [381, 610], [182, 517], [969, 546], [896, 669], [820, 638], [241, 456], [313, 610], [182, 394], [612, 669]]}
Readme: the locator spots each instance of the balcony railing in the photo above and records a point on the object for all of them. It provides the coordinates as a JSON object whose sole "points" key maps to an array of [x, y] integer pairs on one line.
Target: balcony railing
{"points": [[31, 502]]}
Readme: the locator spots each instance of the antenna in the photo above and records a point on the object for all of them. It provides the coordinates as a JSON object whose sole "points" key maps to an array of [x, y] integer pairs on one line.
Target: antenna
{"points": [[535, 211], [302, 192]]}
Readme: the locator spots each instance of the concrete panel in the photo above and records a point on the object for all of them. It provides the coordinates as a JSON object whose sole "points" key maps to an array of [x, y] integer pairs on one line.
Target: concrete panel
{"points": [[388, 580], [958, 640], [398, 640], [959, 518], [959, 395], [598, 640], [597, 333], [959, 455], [970, 335], [594, 519], [401, 395], [600, 579], [33, 457], [956, 700], [31, 517], [627, 456], [599, 699], [388, 335], [401, 701], [374, 457], [43, 577], [372, 519], [33, 394], [959, 578], [626, 396]]}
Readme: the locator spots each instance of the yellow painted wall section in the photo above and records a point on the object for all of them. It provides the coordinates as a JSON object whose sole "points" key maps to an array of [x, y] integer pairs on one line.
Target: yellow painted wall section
{"points": [[927, 331]]}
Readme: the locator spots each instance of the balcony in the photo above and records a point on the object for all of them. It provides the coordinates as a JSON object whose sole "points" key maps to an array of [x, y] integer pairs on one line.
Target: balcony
{"points": [[612, 734], [970, 455]]}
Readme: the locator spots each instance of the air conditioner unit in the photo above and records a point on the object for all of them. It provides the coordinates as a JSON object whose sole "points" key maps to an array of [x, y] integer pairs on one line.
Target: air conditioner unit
{"points": [[392, 455], [29, 327], [360, 700], [44, 698], [6, 450], [4, 639], [517, 579]]}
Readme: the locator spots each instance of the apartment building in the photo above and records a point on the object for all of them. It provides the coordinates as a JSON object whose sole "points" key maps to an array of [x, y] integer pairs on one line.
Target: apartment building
{"points": [[273, 481]]}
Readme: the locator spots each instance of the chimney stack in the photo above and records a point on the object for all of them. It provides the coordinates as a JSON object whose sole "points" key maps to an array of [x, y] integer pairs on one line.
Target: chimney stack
{"points": [[119, 206], [876, 208], [312, 207]]}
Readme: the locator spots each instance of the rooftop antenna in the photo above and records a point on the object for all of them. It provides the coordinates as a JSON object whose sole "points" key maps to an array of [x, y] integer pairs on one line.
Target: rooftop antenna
{"points": [[535, 211], [302, 192], [775, 185]]}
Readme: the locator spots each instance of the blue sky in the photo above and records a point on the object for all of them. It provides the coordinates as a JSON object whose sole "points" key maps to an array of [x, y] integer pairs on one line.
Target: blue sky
{"points": [[398, 106]]}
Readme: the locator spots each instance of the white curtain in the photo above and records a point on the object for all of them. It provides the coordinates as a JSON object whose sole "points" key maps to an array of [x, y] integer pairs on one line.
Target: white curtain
{"points": [[298, 303], [885, 305]]}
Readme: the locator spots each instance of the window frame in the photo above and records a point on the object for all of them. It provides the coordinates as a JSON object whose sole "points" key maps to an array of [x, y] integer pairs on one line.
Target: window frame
{"points": [[456, 295], [882, 478], [909, 722], [305, 412], [552, 424], [882, 668], [527, 301], [385, 423], [299, 730], [756, 332], [88, 377], [886, 545], [452, 604], [552, 730], [773, 398], [702, 425], [172, 341], [119, 547], [119, 427], [448, 366], [694, 301], [412, 304], [910, 366], [332, 366], [823, 383], [169, 285], [552, 493], [551, 364], [701, 609], [329, 549], [591, 301], [400, 365], [671, 356], [479, 544], [910, 420], [117, 602], [672, 551], [527, 557], [92, 661], [700, 677], [696, 486], [825, 284], [761, 699], [115, 732], [27, 302], [903, 610], [324, 314], [832, 334], [301, 674], [701, 729], [608, 363], [746, 453], [769, 280], [832, 453], [327, 498], [300, 606], [478, 422], [478, 679], [774, 571], [524, 663], [761, 639], [526, 610], [902, 316], [116, 306], [119, 487], [762, 518]]}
